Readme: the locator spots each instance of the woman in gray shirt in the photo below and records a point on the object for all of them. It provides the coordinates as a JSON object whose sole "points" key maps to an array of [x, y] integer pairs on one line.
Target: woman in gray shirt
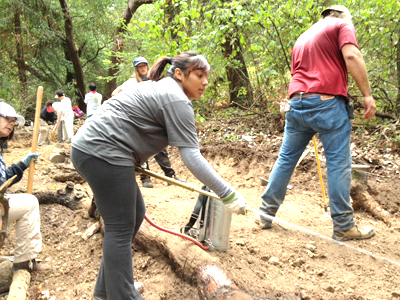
{"points": [[126, 131]]}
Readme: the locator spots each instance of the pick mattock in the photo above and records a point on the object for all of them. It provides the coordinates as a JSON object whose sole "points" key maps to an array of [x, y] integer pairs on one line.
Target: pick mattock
{"points": [[320, 177]]}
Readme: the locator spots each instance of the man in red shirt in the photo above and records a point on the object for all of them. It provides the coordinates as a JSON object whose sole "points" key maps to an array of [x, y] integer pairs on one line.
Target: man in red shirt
{"points": [[321, 58]]}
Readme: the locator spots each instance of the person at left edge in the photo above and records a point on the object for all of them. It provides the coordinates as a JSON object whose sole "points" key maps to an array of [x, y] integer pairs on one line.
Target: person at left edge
{"points": [[24, 208], [125, 131]]}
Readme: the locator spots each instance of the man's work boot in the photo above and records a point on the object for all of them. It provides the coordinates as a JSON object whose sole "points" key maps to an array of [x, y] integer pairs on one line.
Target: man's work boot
{"points": [[177, 179], [262, 223], [147, 183], [31, 266], [354, 234]]}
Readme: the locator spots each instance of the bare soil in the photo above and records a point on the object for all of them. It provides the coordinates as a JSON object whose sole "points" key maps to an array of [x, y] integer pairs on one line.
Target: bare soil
{"points": [[295, 261]]}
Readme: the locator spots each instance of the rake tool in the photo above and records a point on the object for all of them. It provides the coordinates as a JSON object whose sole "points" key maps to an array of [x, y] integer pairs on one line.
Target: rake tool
{"points": [[320, 178]]}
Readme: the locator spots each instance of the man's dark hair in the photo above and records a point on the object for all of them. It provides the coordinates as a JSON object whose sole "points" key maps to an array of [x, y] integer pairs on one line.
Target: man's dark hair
{"points": [[92, 87], [49, 102], [59, 93]]}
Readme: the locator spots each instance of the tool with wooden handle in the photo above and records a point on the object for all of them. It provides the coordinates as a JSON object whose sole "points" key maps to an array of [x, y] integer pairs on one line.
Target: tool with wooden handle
{"points": [[35, 138], [181, 184], [320, 177]]}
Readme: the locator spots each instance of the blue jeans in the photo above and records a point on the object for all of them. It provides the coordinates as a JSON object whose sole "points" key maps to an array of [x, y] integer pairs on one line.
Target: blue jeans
{"points": [[306, 117]]}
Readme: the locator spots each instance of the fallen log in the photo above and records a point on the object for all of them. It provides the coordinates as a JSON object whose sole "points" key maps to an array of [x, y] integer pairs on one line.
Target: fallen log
{"points": [[215, 284], [20, 285], [6, 275], [66, 197], [190, 262]]}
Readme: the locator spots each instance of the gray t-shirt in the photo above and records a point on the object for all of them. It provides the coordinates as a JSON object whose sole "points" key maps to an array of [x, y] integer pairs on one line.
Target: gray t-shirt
{"points": [[130, 127]]}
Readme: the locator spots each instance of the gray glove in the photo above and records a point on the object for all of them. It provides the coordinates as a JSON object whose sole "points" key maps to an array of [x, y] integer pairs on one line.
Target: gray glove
{"points": [[29, 156]]}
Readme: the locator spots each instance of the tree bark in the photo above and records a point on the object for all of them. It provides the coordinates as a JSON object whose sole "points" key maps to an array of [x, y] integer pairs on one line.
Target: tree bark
{"points": [[398, 69], [74, 55], [240, 89], [20, 285], [20, 55], [118, 46]]}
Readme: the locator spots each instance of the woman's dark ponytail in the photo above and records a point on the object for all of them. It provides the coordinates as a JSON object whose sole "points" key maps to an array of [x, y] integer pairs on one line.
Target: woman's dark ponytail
{"points": [[158, 68], [186, 62]]}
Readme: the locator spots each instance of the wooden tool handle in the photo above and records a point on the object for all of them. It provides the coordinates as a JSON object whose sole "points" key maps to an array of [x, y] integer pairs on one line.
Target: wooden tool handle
{"points": [[35, 138]]}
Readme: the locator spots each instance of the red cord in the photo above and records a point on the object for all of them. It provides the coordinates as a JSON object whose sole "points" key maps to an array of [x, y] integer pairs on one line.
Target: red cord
{"points": [[176, 233]]}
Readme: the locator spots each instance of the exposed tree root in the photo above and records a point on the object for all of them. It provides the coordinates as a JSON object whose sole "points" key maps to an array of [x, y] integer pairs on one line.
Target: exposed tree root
{"points": [[362, 199], [66, 197]]}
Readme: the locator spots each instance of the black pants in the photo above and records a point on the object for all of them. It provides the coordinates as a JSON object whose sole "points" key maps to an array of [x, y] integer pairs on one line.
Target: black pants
{"points": [[122, 208], [163, 161]]}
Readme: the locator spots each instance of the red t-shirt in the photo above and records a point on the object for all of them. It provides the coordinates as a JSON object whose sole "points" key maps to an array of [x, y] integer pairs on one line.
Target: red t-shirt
{"points": [[317, 62]]}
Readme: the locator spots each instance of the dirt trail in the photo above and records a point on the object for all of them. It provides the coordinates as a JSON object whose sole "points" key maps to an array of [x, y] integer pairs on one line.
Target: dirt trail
{"points": [[280, 263]]}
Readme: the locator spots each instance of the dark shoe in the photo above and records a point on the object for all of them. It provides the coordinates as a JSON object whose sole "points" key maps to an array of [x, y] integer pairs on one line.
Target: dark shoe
{"points": [[177, 179], [262, 223], [354, 234], [5, 151], [138, 286], [147, 184], [31, 266]]}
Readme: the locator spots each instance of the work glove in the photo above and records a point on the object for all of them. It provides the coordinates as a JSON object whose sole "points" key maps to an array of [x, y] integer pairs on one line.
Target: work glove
{"points": [[235, 203], [27, 159]]}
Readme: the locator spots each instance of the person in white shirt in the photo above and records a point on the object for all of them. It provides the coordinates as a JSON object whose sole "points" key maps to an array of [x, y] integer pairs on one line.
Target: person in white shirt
{"points": [[92, 100], [65, 117]]}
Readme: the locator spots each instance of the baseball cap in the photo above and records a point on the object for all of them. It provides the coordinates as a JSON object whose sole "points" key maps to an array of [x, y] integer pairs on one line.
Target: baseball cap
{"points": [[339, 8], [7, 110], [139, 60]]}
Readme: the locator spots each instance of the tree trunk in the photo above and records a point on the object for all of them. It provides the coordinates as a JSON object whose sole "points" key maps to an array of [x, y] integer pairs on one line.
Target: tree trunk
{"points": [[20, 55], [74, 55], [240, 89], [398, 69], [118, 46]]}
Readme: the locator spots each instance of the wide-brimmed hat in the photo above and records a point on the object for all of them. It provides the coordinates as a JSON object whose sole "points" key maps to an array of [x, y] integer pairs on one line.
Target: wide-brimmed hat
{"points": [[139, 60], [339, 8], [6, 110]]}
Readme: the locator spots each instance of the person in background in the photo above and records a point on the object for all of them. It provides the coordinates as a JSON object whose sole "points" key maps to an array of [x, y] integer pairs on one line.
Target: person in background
{"points": [[92, 100], [47, 117], [124, 133], [4, 148], [24, 208], [141, 67], [321, 58], [65, 117]]}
